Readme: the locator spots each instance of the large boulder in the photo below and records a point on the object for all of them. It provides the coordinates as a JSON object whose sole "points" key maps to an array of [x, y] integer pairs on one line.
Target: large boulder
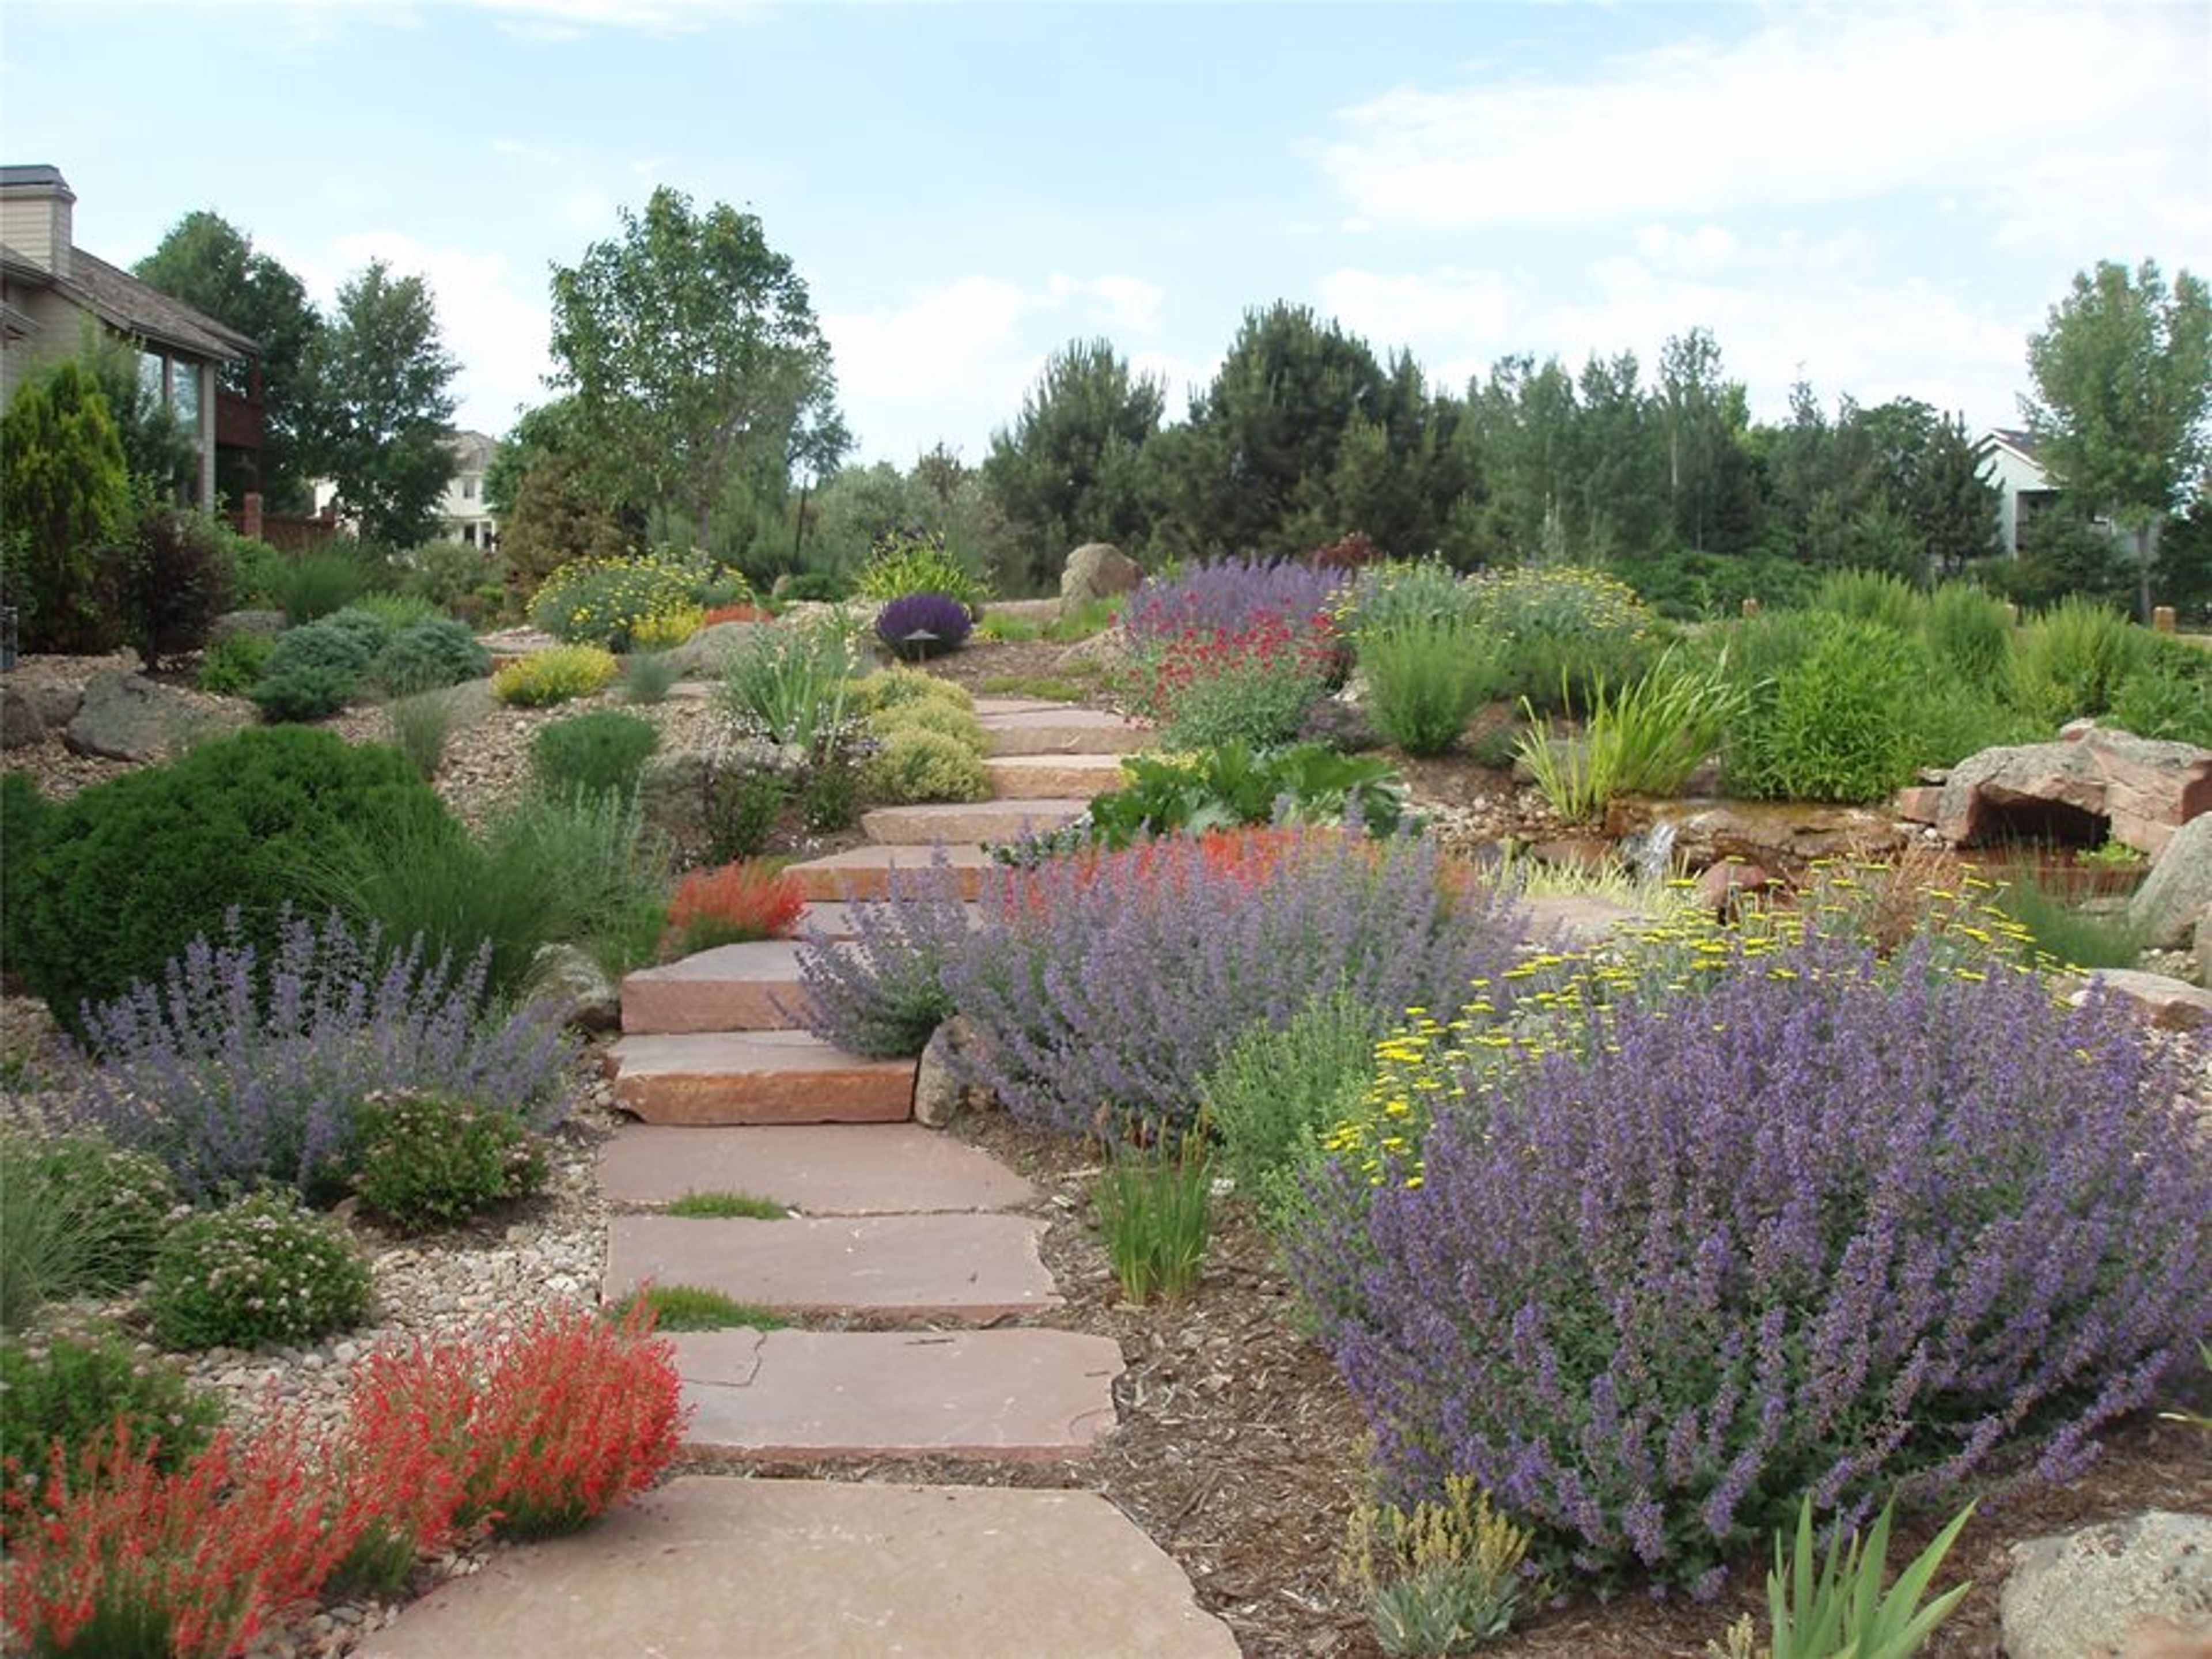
{"points": [[268, 624], [1098, 570], [1780, 837], [2094, 1594], [128, 717], [574, 983], [2175, 893], [2137, 790], [21, 724], [708, 652]]}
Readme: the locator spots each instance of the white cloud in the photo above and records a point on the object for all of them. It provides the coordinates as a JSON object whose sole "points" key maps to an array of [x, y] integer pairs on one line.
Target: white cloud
{"points": [[2052, 120], [556, 20], [1125, 303], [499, 336]]}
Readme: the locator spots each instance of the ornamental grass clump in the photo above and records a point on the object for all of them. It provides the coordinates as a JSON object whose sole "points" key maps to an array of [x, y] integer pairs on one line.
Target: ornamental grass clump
{"points": [[1835, 1225], [915, 626], [243, 1066], [1103, 985]]}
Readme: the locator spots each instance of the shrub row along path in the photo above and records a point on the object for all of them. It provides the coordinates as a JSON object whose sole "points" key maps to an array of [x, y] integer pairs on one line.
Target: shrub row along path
{"points": [[912, 1236]]}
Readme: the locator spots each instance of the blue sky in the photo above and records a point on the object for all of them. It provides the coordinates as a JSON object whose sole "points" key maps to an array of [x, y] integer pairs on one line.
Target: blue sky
{"points": [[1884, 202]]}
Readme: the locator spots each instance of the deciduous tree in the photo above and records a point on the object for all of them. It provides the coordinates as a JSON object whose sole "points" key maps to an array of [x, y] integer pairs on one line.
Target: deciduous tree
{"points": [[384, 415], [2122, 400]]}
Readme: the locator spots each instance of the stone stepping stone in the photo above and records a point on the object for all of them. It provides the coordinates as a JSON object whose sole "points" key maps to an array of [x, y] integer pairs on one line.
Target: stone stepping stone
{"points": [[1025, 1394], [756, 1077], [864, 872], [835, 919], [985, 707], [733, 988], [707, 1567], [1063, 730], [969, 1267], [1050, 777], [957, 823], [886, 1169]]}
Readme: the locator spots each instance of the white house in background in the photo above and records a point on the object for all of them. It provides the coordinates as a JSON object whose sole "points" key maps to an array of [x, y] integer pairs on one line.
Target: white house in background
{"points": [[2024, 488], [462, 514], [466, 517]]}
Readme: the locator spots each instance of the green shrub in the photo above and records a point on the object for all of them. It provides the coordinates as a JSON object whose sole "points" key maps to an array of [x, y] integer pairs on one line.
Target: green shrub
{"points": [[1873, 596], [1559, 631], [813, 586], [2168, 695], [175, 579], [420, 726], [555, 676], [1261, 704], [829, 793], [648, 677], [604, 749], [602, 601], [426, 1162], [741, 807], [319, 582], [260, 1270], [1278, 1090], [2072, 659], [430, 655], [448, 573], [912, 562], [1401, 594], [24, 815], [70, 1391], [81, 1216], [948, 719], [1425, 680], [2067, 934], [917, 762], [1838, 724], [899, 688], [297, 696], [398, 611], [65, 500], [232, 664], [1953, 719], [1970, 632], [1217, 788], [130, 871], [316, 669]]}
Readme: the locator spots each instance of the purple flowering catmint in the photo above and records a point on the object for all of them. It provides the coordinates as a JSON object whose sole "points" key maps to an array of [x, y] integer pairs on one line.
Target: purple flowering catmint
{"points": [[234, 1071], [1228, 597], [1835, 1226]]}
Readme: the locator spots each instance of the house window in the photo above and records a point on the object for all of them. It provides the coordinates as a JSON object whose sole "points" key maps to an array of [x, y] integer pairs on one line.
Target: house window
{"points": [[468, 490], [185, 396], [150, 377]]}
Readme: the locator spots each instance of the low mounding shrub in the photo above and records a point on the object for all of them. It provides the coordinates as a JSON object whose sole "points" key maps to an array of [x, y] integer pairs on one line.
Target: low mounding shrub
{"points": [[260, 1270], [2168, 695], [1834, 1226], [2073, 659], [734, 904], [233, 665], [918, 625], [547, 1427], [240, 1069], [1874, 596], [316, 668], [1255, 687], [603, 602], [1230, 596], [605, 749], [913, 761], [561, 674], [1558, 631], [901, 688], [430, 655], [1838, 724], [1970, 632], [1103, 985], [81, 1216], [70, 1392], [428, 1161], [128, 872]]}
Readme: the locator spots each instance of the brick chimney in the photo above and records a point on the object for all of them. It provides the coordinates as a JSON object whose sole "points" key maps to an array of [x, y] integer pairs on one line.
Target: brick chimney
{"points": [[34, 215]]}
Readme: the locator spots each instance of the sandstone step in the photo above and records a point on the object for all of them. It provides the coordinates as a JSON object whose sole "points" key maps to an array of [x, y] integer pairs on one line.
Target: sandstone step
{"points": [[1063, 732], [707, 1567], [836, 920], [868, 1169], [762, 1077], [1025, 1394], [957, 824], [1049, 777], [731, 987], [863, 872], [984, 707], [974, 1269]]}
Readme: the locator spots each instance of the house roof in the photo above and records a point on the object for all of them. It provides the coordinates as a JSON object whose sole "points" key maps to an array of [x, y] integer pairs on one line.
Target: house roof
{"points": [[473, 451], [131, 307], [2023, 443]]}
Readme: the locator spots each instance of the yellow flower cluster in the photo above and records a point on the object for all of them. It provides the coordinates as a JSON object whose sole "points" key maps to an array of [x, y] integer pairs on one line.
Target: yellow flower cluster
{"points": [[659, 630], [1558, 998], [604, 601], [544, 678]]}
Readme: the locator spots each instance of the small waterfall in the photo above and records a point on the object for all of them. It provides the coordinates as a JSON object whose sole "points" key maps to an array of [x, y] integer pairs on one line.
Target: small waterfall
{"points": [[1651, 853]]}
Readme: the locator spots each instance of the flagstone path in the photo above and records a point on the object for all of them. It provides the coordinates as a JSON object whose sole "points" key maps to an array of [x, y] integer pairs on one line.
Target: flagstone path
{"points": [[922, 1240], [925, 1242]]}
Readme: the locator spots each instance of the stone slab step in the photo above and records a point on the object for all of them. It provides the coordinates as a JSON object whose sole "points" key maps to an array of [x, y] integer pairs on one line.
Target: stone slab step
{"points": [[1063, 732], [756, 1077], [837, 921], [864, 872], [984, 707], [867, 1168], [1023, 1394], [956, 825], [733, 988], [1050, 777], [974, 1269], [712, 1568]]}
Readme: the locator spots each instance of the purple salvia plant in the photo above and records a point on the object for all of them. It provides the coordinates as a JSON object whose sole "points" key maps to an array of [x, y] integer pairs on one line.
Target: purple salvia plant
{"points": [[1228, 597], [1836, 1225], [234, 1072], [1105, 987]]}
